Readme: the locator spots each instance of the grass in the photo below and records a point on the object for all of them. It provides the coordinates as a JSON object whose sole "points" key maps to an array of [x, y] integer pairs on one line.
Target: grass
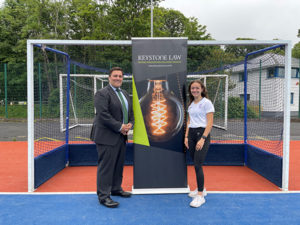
{"points": [[14, 111]]}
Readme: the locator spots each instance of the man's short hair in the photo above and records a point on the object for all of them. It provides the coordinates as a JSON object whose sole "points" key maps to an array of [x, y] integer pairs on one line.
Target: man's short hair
{"points": [[114, 69]]}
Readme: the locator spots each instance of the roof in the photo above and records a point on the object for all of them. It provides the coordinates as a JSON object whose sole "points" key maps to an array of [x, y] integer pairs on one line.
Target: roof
{"points": [[267, 60]]}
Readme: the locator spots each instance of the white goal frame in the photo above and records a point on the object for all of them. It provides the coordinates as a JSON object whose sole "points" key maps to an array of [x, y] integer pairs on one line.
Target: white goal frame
{"points": [[30, 89], [104, 77], [204, 76], [61, 98]]}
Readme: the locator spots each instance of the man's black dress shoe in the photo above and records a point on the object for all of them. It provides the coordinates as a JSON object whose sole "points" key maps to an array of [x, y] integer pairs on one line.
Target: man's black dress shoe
{"points": [[121, 193], [108, 202]]}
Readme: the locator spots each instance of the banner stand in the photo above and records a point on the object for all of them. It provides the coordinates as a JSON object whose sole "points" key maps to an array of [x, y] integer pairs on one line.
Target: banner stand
{"points": [[159, 102]]}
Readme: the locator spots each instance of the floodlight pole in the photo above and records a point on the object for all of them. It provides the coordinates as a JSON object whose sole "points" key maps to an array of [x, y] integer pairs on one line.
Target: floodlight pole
{"points": [[151, 18]]}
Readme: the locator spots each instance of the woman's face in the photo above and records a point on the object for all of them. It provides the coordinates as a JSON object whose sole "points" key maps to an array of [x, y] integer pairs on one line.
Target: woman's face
{"points": [[196, 89]]}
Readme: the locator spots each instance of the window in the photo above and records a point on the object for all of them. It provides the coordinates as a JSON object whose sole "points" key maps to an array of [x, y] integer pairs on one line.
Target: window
{"points": [[271, 72], [280, 72], [242, 96], [292, 98], [241, 77], [295, 72]]}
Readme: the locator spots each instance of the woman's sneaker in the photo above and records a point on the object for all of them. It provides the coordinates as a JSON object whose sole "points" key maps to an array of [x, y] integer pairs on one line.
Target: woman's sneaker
{"points": [[194, 193], [197, 201]]}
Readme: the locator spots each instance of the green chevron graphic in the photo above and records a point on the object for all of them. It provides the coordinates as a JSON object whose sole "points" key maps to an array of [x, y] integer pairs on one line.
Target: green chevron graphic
{"points": [[139, 132]]}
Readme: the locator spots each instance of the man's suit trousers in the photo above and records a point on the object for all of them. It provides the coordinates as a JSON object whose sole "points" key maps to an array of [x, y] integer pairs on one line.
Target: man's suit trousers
{"points": [[110, 167]]}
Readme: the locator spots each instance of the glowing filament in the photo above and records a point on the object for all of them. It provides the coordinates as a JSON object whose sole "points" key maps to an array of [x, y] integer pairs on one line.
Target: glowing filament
{"points": [[158, 109]]}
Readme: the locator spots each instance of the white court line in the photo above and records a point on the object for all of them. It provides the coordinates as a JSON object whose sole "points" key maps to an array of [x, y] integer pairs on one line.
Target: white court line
{"points": [[94, 193]]}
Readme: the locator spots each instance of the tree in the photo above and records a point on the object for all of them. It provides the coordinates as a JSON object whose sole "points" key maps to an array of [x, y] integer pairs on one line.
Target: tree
{"points": [[217, 59], [296, 51], [83, 20], [239, 51], [129, 18]]}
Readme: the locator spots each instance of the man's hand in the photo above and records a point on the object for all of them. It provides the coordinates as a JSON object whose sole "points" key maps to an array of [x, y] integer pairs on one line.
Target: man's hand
{"points": [[129, 126], [125, 128]]}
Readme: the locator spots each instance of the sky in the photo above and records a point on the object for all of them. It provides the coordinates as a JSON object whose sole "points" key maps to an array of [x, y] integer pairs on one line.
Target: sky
{"points": [[231, 19]]}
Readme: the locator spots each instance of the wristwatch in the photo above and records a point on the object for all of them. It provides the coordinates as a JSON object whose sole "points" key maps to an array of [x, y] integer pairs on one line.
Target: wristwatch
{"points": [[204, 137]]}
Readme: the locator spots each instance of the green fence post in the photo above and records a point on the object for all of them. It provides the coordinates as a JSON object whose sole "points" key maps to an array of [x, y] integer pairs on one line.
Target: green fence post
{"points": [[5, 89], [259, 101], [75, 97], [40, 90], [299, 91]]}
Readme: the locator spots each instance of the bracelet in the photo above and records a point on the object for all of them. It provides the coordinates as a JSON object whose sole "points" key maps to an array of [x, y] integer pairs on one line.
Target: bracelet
{"points": [[186, 136], [204, 137]]}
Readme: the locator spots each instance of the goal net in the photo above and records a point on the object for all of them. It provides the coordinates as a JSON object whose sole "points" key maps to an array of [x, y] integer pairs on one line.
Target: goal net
{"points": [[84, 86], [217, 87], [247, 81]]}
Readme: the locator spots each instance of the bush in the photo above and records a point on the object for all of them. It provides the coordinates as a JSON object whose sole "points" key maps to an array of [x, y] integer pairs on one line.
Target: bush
{"points": [[236, 109], [86, 110], [53, 104], [14, 111]]}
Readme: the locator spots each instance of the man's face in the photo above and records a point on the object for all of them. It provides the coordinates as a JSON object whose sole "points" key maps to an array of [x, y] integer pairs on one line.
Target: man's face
{"points": [[116, 78]]}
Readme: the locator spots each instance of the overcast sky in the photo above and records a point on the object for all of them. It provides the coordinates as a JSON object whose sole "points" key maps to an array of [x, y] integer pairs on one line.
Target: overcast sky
{"points": [[230, 19]]}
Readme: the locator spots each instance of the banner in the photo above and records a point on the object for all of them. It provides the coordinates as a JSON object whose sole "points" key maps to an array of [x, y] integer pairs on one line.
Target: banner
{"points": [[159, 76]]}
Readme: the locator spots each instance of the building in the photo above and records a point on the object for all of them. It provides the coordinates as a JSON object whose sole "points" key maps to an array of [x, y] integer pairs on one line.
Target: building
{"points": [[265, 89]]}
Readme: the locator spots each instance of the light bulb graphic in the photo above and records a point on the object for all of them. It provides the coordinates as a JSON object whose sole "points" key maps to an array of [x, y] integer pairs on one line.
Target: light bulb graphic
{"points": [[158, 109], [162, 111]]}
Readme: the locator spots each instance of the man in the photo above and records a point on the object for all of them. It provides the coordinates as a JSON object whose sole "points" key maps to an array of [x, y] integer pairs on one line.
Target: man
{"points": [[114, 118]]}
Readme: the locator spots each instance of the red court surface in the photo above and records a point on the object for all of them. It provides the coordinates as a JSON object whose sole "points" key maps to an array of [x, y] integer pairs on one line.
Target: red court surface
{"points": [[13, 174]]}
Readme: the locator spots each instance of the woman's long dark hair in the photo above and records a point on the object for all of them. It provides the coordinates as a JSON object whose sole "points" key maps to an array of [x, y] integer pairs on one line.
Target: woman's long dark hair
{"points": [[203, 93]]}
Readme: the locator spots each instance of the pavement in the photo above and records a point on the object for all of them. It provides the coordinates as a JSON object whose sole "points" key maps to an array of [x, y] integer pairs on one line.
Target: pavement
{"points": [[17, 131]]}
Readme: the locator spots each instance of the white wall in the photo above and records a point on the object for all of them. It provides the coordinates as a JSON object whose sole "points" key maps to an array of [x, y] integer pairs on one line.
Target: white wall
{"points": [[272, 93]]}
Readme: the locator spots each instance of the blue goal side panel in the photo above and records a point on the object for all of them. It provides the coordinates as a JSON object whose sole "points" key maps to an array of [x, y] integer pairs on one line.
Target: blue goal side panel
{"points": [[86, 154], [222, 155], [49, 164], [218, 154], [265, 164]]}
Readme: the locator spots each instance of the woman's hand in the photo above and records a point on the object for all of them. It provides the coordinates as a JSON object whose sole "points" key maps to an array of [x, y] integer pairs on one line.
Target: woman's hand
{"points": [[186, 142], [200, 144]]}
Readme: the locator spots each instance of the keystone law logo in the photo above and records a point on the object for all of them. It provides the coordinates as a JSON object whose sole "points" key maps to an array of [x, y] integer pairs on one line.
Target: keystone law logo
{"points": [[159, 58]]}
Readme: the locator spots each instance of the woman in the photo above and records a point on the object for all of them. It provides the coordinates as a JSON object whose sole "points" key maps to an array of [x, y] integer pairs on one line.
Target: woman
{"points": [[197, 136]]}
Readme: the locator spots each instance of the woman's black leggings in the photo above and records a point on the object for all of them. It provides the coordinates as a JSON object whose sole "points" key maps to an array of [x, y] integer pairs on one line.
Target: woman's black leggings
{"points": [[198, 156]]}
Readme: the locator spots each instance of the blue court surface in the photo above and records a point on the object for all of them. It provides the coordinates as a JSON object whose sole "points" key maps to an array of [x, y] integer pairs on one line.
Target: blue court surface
{"points": [[150, 209]]}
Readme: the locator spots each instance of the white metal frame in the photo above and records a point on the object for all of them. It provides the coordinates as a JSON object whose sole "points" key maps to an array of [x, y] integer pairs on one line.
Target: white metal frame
{"points": [[61, 99], [105, 77], [30, 90], [226, 94], [101, 77]]}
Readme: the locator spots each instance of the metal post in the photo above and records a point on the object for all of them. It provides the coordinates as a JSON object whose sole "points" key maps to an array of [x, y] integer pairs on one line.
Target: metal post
{"points": [[30, 116], [75, 97], [68, 107], [286, 118], [151, 18], [5, 89], [259, 104], [245, 111], [299, 90], [40, 89]]}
